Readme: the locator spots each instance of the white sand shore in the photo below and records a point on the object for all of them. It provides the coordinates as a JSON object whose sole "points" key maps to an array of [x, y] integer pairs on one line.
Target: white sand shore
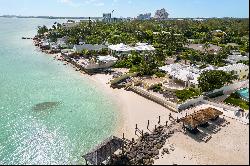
{"points": [[134, 108], [229, 146]]}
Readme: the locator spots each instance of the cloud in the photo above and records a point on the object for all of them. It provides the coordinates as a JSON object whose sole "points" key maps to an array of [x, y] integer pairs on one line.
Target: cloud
{"points": [[65, 1], [82, 3], [99, 4]]}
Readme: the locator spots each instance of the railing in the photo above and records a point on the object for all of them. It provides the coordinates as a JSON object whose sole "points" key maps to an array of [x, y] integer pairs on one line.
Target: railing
{"points": [[154, 98]]}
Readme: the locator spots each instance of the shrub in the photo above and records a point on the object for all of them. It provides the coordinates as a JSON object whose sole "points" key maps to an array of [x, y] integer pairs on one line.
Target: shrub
{"points": [[160, 74], [186, 94]]}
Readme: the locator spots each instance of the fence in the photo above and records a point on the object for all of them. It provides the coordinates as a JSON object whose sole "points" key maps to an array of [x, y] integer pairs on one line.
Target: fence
{"points": [[148, 95]]}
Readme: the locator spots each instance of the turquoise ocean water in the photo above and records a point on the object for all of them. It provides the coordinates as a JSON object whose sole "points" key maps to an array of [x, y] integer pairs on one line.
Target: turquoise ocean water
{"points": [[80, 114]]}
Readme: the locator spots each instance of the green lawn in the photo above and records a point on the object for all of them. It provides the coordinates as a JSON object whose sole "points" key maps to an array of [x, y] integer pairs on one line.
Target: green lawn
{"points": [[236, 101], [186, 94]]}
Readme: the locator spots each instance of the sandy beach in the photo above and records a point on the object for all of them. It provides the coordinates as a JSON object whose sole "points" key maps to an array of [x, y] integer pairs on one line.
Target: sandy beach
{"points": [[134, 108], [229, 146]]}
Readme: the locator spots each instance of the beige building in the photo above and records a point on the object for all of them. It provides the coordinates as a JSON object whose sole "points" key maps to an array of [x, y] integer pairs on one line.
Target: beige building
{"points": [[240, 69]]}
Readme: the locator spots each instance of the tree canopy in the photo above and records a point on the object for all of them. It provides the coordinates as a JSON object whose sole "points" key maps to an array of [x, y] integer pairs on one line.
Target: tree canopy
{"points": [[214, 79]]}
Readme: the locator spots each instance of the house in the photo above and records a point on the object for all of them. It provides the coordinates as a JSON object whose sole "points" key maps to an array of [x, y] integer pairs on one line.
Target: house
{"points": [[240, 69], [125, 49], [69, 25], [143, 47], [101, 62], [218, 32], [62, 42], [120, 48], [234, 45], [89, 47], [184, 74], [202, 48], [236, 57], [163, 32]]}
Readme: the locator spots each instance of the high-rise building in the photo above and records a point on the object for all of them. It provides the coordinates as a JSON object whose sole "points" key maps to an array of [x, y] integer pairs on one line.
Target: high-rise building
{"points": [[146, 16], [107, 17], [161, 14]]}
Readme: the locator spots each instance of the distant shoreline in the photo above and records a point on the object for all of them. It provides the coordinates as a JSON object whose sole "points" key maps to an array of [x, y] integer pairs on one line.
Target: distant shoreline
{"points": [[57, 17], [49, 17]]}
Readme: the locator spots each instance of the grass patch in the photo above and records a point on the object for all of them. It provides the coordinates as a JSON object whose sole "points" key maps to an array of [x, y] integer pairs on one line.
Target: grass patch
{"points": [[235, 100], [186, 94]]}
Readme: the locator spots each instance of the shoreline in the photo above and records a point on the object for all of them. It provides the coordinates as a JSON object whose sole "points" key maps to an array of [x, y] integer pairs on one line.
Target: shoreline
{"points": [[134, 109]]}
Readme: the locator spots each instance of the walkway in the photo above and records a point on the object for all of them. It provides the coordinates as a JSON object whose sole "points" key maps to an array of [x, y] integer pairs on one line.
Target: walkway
{"points": [[150, 96]]}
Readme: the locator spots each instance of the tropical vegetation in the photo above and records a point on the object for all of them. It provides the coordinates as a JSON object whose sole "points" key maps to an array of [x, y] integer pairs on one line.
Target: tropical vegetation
{"points": [[235, 100], [214, 79], [168, 37], [186, 94]]}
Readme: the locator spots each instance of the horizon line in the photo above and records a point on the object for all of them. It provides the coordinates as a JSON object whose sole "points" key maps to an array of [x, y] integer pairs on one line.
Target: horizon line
{"points": [[13, 15]]}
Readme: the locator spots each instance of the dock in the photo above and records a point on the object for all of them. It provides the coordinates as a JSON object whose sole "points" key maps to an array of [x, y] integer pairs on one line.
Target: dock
{"points": [[30, 38]]}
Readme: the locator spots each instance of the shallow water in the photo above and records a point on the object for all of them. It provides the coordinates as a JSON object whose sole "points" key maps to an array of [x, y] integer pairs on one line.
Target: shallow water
{"points": [[49, 114]]}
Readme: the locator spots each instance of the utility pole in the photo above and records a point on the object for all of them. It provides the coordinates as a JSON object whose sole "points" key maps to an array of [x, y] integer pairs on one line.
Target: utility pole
{"points": [[112, 14]]}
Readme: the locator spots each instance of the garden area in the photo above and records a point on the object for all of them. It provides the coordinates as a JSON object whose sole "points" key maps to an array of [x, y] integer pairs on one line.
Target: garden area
{"points": [[235, 100], [186, 94]]}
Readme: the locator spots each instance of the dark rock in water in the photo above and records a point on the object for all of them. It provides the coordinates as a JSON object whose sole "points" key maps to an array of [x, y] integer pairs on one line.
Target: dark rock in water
{"points": [[45, 106]]}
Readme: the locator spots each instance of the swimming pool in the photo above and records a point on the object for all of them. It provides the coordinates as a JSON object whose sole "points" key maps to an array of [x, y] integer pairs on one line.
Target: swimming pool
{"points": [[244, 93]]}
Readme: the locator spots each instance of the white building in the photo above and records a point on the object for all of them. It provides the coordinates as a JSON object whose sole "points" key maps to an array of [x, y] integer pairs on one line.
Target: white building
{"points": [[143, 47], [102, 62], [89, 47], [241, 70], [120, 48], [234, 58], [125, 49], [62, 42], [184, 73], [161, 14]]}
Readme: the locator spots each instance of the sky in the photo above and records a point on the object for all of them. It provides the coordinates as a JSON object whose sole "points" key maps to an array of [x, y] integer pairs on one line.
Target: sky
{"points": [[125, 8]]}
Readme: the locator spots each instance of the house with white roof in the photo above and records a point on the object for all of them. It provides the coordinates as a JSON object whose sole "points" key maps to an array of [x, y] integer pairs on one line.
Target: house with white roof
{"points": [[101, 62], [234, 58], [125, 49], [188, 75], [144, 47], [89, 47], [120, 48], [240, 69]]}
